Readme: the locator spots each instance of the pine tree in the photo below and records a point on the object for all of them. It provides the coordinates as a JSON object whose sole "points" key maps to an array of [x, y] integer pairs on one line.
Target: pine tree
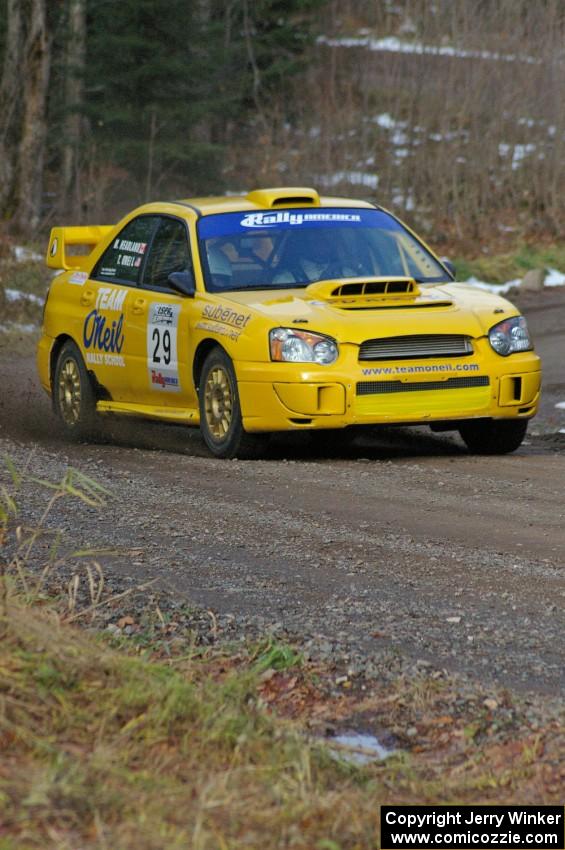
{"points": [[167, 80], [145, 97]]}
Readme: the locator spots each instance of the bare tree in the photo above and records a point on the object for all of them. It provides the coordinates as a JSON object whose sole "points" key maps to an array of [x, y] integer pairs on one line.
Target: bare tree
{"points": [[450, 112], [37, 56], [74, 90], [9, 112], [23, 103]]}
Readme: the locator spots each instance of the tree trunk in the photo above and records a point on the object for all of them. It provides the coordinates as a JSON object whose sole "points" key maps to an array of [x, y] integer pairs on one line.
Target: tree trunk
{"points": [[249, 34], [9, 104], [201, 131], [35, 77], [74, 86]]}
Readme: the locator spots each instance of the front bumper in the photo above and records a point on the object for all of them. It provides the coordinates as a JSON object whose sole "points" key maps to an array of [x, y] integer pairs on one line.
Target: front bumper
{"points": [[287, 396]]}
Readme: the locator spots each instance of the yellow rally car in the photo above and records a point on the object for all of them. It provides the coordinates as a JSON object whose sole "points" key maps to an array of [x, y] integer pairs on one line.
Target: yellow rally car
{"points": [[278, 311]]}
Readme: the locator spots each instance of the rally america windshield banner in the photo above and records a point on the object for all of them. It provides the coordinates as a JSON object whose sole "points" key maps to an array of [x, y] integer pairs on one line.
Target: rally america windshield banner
{"points": [[231, 224]]}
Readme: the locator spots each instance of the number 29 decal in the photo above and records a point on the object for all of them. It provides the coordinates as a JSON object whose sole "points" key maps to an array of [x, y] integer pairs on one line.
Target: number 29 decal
{"points": [[162, 349], [162, 362]]}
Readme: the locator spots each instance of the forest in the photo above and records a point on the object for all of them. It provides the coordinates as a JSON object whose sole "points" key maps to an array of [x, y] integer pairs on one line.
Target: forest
{"points": [[449, 112]]}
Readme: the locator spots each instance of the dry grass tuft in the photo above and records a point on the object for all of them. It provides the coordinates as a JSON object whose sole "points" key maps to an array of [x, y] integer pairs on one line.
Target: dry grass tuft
{"points": [[103, 749], [97, 743]]}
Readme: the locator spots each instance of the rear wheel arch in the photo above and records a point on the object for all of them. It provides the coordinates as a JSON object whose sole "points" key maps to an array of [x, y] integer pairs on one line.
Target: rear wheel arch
{"points": [[99, 390], [55, 351]]}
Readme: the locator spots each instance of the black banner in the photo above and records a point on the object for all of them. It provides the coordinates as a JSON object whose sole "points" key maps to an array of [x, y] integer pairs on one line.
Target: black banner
{"points": [[472, 827]]}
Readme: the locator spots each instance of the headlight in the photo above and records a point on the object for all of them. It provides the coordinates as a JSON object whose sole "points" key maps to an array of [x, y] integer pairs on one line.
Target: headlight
{"points": [[294, 346], [510, 336]]}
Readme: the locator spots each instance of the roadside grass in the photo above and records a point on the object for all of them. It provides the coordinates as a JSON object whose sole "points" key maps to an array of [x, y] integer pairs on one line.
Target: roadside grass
{"points": [[23, 285], [500, 268], [31, 277], [109, 742], [17, 340], [101, 748]]}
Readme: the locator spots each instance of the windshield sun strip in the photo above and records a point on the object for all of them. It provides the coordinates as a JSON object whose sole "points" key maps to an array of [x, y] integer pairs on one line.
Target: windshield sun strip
{"points": [[279, 234]]}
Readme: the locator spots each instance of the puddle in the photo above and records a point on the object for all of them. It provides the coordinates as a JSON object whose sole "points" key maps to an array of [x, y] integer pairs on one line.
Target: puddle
{"points": [[358, 748]]}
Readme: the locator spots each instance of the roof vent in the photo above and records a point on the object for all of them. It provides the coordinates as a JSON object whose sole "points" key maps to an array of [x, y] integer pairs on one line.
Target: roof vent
{"points": [[284, 197]]}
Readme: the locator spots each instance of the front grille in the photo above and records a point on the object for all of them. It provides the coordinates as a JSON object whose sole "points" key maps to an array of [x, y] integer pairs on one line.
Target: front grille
{"points": [[410, 347], [379, 387]]}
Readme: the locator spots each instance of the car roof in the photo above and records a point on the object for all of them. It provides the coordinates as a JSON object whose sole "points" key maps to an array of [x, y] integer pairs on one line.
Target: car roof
{"points": [[270, 199]]}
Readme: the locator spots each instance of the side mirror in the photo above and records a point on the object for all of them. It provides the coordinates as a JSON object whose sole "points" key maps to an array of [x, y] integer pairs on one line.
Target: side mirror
{"points": [[449, 266], [183, 282]]}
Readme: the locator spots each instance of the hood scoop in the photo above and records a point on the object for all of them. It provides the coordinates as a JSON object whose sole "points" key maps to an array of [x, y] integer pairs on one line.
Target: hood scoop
{"points": [[373, 293]]}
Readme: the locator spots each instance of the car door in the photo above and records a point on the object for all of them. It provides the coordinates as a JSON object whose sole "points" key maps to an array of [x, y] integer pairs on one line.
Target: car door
{"points": [[106, 299], [157, 322]]}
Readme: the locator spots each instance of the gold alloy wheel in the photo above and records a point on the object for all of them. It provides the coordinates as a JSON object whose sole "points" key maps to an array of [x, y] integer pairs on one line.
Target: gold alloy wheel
{"points": [[218, 402], [69, 392]]}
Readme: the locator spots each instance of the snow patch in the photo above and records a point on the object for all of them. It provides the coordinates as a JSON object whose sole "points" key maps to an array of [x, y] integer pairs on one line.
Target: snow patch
{"points": [[497, 288], [385, 121], [355, 178], [18, 295], [554, 278], [391, 44], [16, 326], [358, 748], [399, 199], [519, 152], [26, 255]]}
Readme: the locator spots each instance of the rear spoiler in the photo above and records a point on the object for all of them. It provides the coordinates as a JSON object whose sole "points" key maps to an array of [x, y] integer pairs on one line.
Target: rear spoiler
{"points": [[62, 237]]}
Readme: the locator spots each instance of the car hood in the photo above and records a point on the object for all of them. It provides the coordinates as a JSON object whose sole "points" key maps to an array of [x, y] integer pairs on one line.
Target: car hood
{"points": [[353, 311]]}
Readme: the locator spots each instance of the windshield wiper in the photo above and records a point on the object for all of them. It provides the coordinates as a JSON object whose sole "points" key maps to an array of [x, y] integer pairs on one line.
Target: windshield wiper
{"points": [[267, 286], [432, 280]]}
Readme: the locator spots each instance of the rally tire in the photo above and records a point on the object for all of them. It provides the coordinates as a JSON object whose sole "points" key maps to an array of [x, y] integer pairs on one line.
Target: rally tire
{"points": [[221, 424], [74, 400], [493, 437]]}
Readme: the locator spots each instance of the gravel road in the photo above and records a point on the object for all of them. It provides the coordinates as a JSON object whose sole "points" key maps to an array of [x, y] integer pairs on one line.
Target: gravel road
{"points": [[400, 552]]}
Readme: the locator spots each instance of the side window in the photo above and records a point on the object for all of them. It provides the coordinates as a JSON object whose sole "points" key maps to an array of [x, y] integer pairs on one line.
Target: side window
{"points": [[123, 260], [169, 253]]}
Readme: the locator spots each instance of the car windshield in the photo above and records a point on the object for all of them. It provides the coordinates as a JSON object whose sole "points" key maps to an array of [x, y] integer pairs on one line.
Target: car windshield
{"points": [[295, 247]]}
